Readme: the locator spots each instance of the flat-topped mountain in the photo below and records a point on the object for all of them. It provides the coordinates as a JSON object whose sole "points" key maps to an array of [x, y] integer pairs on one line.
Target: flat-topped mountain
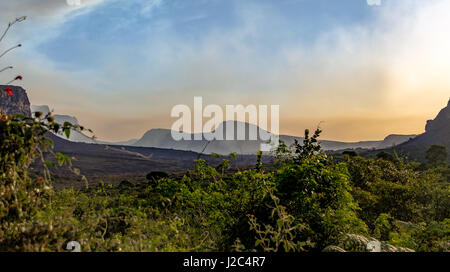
{"points": [[162, 138]]}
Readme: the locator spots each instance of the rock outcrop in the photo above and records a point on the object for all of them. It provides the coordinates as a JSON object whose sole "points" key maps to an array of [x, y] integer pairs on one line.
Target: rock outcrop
{"points": [[442, 120], [437, 131], [17, 103], [360, 243]]}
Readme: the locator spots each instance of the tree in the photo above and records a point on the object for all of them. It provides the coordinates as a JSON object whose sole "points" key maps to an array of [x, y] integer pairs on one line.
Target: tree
{"points": [[316, 191], [349, 153], [437, 155], [385, 156]]}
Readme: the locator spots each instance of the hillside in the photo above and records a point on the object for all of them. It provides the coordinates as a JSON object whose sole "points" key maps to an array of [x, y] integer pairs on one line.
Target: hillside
{"points": [[437, 132]]}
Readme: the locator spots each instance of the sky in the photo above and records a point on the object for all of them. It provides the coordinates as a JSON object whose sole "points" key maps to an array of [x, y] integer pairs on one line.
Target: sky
{"points": [[362, 71]]}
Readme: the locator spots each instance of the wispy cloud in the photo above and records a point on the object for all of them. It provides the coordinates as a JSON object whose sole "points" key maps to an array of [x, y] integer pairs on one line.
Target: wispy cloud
{"points": [[41, 8], [388, 69]]}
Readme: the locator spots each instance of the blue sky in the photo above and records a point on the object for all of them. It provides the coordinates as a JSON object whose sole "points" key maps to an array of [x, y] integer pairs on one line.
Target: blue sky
{"points": [[121, 65], [127, 24]]}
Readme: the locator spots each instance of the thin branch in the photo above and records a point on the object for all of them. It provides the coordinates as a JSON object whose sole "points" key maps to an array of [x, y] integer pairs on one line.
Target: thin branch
{"points": [[16, 78], [17, 20], [6, 68], [204, 148], [12, 48]]}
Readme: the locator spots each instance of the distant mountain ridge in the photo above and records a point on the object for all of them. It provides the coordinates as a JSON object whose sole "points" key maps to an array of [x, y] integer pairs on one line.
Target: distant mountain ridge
{"points": [[162, 138], [75, 136]]}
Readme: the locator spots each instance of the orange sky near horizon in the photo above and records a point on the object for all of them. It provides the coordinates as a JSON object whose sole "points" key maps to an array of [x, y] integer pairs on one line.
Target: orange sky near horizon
{"points": [[363, 82]]}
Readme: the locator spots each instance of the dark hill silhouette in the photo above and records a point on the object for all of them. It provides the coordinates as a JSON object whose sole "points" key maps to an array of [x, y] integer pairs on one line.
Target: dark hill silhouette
{"points": [[437, 131], [99, 159]]}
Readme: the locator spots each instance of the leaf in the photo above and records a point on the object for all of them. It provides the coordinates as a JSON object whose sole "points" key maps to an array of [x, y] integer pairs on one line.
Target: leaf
{"points": [[62, 158], [67, 132], [279, 223], [56, 127], [49, 163]]}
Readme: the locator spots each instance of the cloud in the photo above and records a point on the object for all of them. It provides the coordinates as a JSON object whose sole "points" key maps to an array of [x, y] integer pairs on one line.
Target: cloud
{"points": [[374, 2], [364, 79], [149, 6], [41, 8]]}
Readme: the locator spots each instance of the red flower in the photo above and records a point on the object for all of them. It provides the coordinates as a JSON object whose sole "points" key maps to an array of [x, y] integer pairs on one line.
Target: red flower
{"points": [[9, 91], [18, 78]]}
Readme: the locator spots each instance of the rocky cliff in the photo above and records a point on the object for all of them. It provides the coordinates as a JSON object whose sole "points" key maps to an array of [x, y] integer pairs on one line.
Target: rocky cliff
{"points": [[437, 131], [441, 122], [17, 103]]}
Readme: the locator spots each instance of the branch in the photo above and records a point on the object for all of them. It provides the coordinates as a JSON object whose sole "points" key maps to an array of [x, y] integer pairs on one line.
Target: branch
{"points": [[6, 68], [16, 78], [14, 47], [10, 24]]}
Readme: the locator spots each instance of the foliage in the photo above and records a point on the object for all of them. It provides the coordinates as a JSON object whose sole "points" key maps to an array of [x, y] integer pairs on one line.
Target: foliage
{"points": [[308, 202], [436, 155], [400, 203], [22, 140], [281, 236], [318, 192]]}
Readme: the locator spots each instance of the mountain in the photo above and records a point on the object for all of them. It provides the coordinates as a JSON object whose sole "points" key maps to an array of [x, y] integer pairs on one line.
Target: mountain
{"points": [[97, 159], [162, 138], [437, 131], [130, 142], [17, 103], [394, 140], [75, 136]]}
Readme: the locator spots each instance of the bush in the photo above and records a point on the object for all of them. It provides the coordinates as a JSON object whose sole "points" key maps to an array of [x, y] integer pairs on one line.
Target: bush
{"points": [[307, 203], [22, 228]]}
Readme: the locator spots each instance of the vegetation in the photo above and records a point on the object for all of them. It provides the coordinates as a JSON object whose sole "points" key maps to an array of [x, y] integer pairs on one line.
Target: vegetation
{"points": [[23, 197], [306, 202]]}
